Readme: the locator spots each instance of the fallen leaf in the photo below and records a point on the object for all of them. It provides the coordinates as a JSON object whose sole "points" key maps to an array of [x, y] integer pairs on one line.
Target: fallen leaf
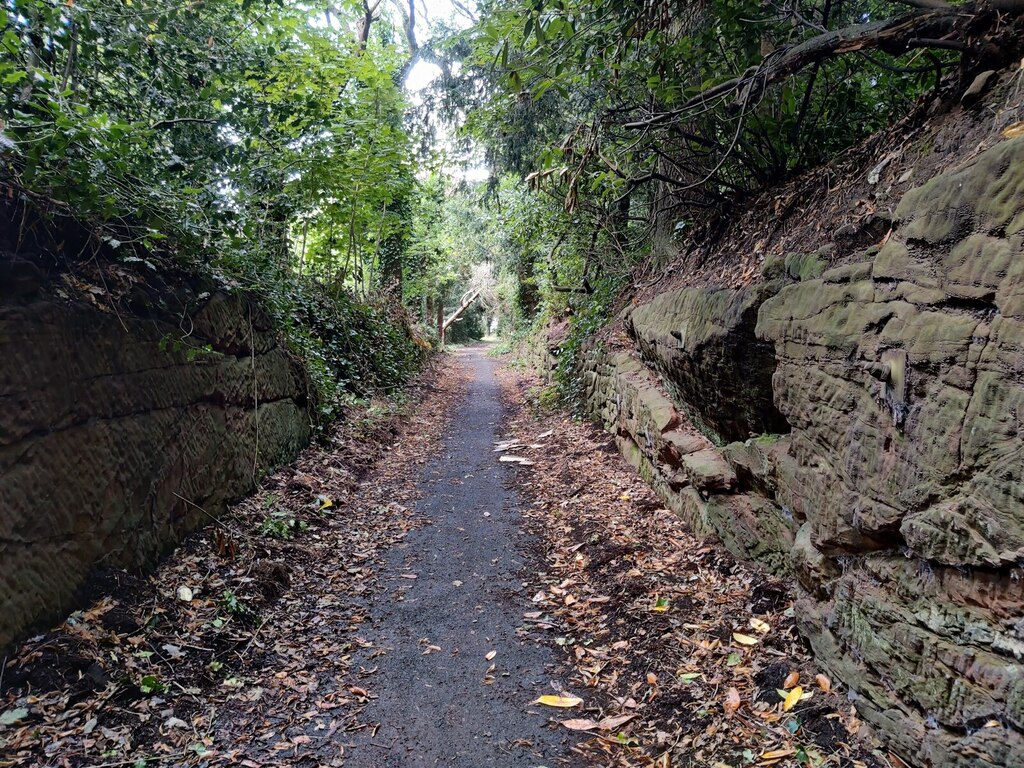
{"points": [[732, 701], [652, 679], [791, 679], [823, 682], [660, 605], [612, 723], [1013, 131], [491, 655], [744, 639], [11, 716], [580, 725], [558, 701], [759, 625], [792, 698], [772, 754]]}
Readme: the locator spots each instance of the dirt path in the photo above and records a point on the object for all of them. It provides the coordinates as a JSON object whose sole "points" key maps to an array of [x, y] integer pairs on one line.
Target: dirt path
{"points": [[454, 594]]}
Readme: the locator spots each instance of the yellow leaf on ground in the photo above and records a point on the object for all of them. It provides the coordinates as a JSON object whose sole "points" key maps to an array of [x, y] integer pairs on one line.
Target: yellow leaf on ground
{"points": [[1013, 131], [778, 753], [792, 698], [760, 626], [558, 701], [744, 639]]}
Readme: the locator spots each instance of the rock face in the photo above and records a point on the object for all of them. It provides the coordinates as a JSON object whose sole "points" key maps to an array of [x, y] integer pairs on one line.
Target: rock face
{"points": [[693, 336], [123, 427], [895, 495]]}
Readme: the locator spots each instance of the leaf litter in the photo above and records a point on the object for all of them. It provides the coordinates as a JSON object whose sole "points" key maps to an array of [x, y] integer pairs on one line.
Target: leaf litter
{"points": [[677, 650], [237, 650]]}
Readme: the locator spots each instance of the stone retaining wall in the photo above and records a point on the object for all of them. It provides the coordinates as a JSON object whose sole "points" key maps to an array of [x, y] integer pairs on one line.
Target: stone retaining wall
{"points": [[125, 424]]}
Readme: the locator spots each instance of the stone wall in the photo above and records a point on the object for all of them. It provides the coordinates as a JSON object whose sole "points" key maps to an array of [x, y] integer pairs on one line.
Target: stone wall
{"points": [[889, 478], [123, 423]]}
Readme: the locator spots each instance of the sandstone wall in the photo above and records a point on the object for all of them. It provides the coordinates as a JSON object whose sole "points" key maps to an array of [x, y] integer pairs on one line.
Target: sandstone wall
{"points": [[124, 424], [889, 478]]}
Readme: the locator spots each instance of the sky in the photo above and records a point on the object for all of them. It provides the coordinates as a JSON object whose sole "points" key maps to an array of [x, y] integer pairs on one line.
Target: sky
{"points": [[422, 72]]}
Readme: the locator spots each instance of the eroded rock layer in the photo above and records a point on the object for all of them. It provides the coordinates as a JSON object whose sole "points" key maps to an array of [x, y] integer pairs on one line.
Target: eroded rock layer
{"points": [[890, 476], [124, 425]]}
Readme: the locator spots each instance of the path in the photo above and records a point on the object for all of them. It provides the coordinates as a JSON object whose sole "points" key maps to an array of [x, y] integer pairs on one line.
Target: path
{"points": [[437, 700]]}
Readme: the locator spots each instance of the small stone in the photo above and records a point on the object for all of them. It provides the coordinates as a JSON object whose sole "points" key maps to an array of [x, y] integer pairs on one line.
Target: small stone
{"points": [[185, 594], [977, 88]]}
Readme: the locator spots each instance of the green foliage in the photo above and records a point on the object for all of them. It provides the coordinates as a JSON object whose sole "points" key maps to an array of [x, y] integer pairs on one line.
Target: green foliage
{"points": [[281, 524], [595, 106], [254, 139], [234, 606]]}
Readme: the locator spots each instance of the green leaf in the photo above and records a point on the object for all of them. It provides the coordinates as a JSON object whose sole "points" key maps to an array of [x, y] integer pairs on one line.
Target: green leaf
{"points": [[12, 716]]}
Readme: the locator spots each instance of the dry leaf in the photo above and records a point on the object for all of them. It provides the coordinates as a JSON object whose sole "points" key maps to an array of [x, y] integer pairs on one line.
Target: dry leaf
{"points": [[652, 679], [792, 698], [791, 679], [823, 682], [612, 723], [491, 655], [558, 701], [744, 639], [760, 626], [1013, 131], [732, 701], [778, 753], [580, 725]]}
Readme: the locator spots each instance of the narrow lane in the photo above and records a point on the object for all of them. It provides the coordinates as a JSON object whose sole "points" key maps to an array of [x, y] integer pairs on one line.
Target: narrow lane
{"points": [[451, 595]]}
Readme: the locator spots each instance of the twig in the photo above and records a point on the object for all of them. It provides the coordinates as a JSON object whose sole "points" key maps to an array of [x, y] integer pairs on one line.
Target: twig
{"points": [[253, 638]]}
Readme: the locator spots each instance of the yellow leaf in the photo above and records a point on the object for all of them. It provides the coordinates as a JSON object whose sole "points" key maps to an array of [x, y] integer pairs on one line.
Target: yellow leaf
{"points": [[325, 503], [558, 701], [823, 682], [791, 679], [759, 625], [778, 753], [744, 639], [491, 655], [792, 698], [1013, 131]]}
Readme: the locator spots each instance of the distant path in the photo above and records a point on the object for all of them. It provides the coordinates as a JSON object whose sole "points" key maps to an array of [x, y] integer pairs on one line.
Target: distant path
{"points": [[435, 707]]}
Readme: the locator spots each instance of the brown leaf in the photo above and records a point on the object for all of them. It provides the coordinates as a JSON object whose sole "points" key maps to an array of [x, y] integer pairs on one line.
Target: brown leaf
{"points": [[791, 679], [823, 682], [732, 701]]}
